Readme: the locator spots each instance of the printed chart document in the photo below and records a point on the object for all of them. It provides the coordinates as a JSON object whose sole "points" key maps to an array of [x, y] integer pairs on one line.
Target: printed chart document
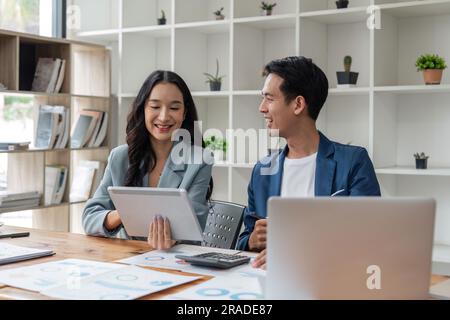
{"points": [[10, 253], [166, 260], [223, 288], [84, 279], [127, 283], [42, 276]]}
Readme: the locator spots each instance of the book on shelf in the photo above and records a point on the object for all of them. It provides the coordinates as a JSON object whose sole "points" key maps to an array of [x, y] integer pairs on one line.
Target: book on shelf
{"points": [[99, 133], [52, 127], [49, 75], [10, 253], [85, 127], [13, 146], [86, 179], [55, 184], [60, 80]]}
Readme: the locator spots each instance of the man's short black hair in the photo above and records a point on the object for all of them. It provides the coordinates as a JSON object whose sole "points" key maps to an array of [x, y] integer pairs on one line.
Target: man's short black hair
{"points": [[301, 78]]}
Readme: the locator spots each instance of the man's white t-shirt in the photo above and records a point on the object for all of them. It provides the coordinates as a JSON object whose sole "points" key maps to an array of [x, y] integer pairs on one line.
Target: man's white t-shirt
{"points": [[298, 177]]}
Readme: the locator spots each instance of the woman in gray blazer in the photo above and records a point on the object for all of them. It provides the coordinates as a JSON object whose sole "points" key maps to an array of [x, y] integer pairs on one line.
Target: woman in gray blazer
{"points": [[163, 106]]}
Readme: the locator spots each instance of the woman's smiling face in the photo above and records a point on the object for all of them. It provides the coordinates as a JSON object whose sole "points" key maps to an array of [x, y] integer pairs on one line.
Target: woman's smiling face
{"points": [[164, 111]]}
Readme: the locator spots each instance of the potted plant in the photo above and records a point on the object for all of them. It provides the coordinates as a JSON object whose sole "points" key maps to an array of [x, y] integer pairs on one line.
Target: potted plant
{"points": [[432, 66], [267, 8], [218, 146], [162, 20], [421, 160], [215, 82], [219, 15], [347, 77], [342, 4]]}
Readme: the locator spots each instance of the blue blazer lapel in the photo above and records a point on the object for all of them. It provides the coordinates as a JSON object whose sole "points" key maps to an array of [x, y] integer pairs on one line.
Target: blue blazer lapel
{"points": [[277, 177], [325, 168]]}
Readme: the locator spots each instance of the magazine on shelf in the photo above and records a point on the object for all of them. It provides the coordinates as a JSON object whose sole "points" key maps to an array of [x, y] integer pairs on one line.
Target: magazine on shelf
{"points": [[51, 127], [84, 128], [87, 177], [99, 133], [55, 183], [61, 75]]}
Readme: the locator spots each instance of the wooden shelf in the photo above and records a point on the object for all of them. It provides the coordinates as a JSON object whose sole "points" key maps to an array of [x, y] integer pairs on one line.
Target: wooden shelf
{"points": [[101, 36], [41, 207], [86, 86], [33, 93]]}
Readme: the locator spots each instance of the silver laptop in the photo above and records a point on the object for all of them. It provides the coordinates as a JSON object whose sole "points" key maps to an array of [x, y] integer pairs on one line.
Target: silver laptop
{"points": [[349, 248]]}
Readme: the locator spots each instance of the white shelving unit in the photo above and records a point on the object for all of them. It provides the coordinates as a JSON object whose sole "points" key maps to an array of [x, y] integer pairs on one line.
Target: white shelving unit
{"points": [[390, 111]]}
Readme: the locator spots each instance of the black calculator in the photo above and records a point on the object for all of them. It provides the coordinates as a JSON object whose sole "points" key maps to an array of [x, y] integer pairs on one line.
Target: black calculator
{"points": [[215, 260]]}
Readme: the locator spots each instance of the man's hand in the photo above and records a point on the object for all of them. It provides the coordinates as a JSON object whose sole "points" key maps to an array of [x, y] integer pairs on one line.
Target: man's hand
{"points": [[260, 261], [258, 238], [160, 235]]}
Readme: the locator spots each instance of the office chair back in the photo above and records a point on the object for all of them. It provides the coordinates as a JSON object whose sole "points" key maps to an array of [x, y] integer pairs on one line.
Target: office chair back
{"points": [[223, 225]]}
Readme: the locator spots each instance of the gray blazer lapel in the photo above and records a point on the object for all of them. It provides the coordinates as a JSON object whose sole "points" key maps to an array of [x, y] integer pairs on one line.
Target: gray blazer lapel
{"points": [[172, 175]]}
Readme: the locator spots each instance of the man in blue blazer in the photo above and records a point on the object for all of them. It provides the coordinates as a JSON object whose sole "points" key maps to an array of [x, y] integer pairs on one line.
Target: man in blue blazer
{"points": [[311, 165]]}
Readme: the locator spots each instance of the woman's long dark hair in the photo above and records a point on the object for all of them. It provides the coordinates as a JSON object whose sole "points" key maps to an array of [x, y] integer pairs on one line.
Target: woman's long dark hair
{"points": [[140, 149]]}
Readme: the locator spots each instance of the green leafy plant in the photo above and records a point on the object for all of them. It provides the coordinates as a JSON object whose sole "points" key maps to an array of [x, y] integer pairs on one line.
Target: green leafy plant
{"points": [[215, 143], [267, 6], [215, 78], [163, 14], [218, 13], [347, 63], [420, 156], [430, 61]]}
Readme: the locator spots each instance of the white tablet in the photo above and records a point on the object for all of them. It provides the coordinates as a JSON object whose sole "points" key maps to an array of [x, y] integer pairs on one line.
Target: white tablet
{"points": [[137, 207]]}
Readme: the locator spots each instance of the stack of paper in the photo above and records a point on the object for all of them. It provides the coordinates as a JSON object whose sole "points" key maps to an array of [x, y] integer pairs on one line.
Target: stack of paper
{"points": [[90, 280], [14, 145], [10, 253], [18, 201]]}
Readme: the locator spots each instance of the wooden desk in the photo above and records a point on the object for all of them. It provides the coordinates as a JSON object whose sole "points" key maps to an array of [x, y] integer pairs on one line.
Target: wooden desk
{"points": [[75, 246], [68, 245]]}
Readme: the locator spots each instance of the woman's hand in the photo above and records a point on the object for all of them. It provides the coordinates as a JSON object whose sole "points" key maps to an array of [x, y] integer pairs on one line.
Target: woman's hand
{"points": [[159, 234], [112, 221]]}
